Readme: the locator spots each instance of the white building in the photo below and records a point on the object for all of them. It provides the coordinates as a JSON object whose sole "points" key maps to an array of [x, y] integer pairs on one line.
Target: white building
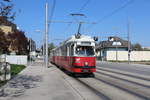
{"points": [[112, 44]]}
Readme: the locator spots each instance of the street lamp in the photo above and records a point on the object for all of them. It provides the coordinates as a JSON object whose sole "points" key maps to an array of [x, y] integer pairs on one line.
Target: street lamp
{"points": [[43, 47]]}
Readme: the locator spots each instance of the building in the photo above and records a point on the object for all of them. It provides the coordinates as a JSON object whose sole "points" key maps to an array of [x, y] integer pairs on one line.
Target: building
{"points": [[146, 48], [32, 49], [6, 26], [6, 29], [31, 45], [112, 44]]}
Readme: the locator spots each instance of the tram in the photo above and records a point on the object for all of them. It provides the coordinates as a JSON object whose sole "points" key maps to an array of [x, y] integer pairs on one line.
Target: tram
{"points": [[76, 54]]}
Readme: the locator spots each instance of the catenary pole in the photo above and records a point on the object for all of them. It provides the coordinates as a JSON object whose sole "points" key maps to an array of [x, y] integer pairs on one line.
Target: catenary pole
{"points": [[116, 40], [46, 35], [129, 47]]}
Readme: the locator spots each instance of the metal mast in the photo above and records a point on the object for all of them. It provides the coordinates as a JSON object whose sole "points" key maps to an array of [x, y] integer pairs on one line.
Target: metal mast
{"points": [[129, 50], [46, 35]]}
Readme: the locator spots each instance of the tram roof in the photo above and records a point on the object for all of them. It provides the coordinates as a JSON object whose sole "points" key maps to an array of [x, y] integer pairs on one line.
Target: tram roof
{"points": [[82, 38], [74, 39]]}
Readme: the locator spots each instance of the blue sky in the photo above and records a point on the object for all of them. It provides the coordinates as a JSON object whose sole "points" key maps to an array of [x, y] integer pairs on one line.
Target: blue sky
{"points": [[31, 17]]}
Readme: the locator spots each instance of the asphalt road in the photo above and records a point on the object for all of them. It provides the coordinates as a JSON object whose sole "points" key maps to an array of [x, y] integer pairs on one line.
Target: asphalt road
{"points": [[112, 81], [133, 68]]}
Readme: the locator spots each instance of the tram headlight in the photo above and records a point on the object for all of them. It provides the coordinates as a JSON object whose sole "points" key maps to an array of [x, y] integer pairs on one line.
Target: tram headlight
{"points": [[86, 63], [77, 60]]}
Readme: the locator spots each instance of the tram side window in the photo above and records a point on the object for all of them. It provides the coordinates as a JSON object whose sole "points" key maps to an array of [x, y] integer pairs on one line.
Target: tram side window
{"points": [[72, 50], [64, 51]]}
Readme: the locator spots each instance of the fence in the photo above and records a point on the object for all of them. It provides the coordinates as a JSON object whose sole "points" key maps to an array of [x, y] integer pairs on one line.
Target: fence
{"points": [[14, 59], [123, 55]]}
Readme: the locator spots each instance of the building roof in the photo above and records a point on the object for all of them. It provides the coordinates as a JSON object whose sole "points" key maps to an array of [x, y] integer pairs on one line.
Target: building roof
{"points": [[113, 42]]}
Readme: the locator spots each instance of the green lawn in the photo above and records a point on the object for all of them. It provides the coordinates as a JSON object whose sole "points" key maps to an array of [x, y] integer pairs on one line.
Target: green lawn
{"points": [[15, 69]]}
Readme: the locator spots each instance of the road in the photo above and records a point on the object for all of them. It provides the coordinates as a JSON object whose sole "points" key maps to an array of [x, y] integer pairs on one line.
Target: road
{"points": [[111, 82], [133, 68], [114, 81], [117, 81]]}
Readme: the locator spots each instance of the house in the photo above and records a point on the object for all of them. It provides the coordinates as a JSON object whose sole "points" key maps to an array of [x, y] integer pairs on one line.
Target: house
{"points": [[112, 44], [6, 29], [6, 26], [146, 48]]}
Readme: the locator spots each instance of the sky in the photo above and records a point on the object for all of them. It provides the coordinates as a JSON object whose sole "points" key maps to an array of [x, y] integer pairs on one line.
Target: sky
{"points": [[111, 18]]}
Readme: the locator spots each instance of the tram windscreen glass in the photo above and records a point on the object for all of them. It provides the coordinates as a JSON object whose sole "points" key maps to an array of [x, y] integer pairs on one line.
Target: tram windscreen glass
{"points": [[85, 50]]}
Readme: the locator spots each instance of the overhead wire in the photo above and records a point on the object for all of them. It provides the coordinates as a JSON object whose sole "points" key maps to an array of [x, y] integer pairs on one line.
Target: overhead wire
{"points": [[84, 5], [112, 13], [52, 13], [81, 9]]}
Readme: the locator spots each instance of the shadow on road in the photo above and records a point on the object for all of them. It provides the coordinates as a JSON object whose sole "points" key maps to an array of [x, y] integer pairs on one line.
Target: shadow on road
{"points": [[18, 85]]}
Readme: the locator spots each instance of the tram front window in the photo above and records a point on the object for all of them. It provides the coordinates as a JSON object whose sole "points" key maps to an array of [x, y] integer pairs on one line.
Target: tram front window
{"points": [[85, 50]]}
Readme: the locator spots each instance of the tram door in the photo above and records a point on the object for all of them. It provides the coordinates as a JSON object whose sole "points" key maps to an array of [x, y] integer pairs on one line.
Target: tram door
{"points": [[71, 53]]}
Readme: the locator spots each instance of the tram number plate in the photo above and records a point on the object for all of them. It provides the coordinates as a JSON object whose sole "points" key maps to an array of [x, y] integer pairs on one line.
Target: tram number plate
{"points": [[84, 70]]}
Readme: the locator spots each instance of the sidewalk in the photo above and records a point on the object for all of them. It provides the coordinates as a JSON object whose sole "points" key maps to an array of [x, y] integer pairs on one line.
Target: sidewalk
{"points": [[38, 83]]}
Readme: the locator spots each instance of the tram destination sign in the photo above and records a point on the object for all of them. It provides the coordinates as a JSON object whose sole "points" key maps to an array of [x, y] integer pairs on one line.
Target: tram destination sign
{"points": [[86, 43]]}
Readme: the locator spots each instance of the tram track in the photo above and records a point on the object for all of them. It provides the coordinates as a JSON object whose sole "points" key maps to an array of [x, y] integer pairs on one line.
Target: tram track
{"points": [[102, 86], [98, 93], [123, 87], [135, 88], [80, 86], [125, 79], [105, 86], [125, 74], [105, 90]]}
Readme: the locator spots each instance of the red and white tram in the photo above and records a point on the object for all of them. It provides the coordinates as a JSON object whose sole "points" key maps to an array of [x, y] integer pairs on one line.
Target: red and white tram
{"points": [[76, 55]]}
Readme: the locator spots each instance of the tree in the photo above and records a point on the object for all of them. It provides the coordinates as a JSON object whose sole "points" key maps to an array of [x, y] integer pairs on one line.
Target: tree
{"points": [[6, 9], [18, 42], [3, 43], [137, 47], [50, 47]]}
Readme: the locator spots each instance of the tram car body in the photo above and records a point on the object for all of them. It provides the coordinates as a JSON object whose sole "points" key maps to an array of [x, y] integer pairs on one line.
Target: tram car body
{"points": [[76, 55]]}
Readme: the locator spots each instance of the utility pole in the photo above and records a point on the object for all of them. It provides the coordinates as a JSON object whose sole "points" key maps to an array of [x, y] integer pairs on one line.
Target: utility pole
{"points": [[46, 35], [129, 47], [116, 48], [30, 47], [44, 46]]}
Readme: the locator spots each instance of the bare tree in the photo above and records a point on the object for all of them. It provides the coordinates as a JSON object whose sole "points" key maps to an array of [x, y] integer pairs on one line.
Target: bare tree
{"points": [[6, 9]]}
